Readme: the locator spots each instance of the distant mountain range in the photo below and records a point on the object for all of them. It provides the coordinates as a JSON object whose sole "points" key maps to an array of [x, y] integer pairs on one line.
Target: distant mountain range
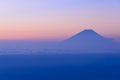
{"points": [[89, 41]]}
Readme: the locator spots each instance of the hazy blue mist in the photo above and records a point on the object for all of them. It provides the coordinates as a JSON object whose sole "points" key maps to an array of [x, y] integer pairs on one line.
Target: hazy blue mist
{"points": [[87, 41], [85, 56]]}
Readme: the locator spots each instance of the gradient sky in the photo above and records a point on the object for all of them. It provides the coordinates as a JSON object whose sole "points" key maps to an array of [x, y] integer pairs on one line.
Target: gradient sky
{"points": [[58, 19]]}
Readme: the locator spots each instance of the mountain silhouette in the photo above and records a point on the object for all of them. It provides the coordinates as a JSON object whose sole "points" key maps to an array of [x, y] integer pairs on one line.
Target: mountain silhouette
{"points": [[87, 35], [89, 41]]}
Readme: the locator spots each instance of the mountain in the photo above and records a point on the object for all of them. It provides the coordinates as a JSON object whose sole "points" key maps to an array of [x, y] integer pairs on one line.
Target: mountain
{"points": [[87, 36], [89, 41]]}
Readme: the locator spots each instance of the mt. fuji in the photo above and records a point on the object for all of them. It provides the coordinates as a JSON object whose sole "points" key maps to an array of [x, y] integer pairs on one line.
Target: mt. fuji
{"points": [[90, 41]]}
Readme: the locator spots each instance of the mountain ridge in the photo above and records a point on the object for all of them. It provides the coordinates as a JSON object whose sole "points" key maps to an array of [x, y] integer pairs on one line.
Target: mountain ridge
{"points": [[86, 35], [89, 41]]}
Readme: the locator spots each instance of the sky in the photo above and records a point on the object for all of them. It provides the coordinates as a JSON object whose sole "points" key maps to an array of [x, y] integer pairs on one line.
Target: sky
{"points": [[58, 19]]}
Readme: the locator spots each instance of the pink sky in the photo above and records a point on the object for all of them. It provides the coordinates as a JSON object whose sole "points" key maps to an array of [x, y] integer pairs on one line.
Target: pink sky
{"points": [[60, 19]]}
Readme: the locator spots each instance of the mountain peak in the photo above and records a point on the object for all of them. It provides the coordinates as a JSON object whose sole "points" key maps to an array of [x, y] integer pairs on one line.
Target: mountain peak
{"points": [[86, 37], [89, 41], [86, 34], [88, 31]]}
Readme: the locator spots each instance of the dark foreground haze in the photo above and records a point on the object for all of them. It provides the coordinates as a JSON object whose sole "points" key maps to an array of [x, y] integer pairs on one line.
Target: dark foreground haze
{"points": [[85, 56], [60, 67]]}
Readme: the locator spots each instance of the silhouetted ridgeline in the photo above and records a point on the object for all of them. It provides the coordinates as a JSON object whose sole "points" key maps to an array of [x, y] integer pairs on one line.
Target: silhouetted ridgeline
{"points": [[89, 41]]}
